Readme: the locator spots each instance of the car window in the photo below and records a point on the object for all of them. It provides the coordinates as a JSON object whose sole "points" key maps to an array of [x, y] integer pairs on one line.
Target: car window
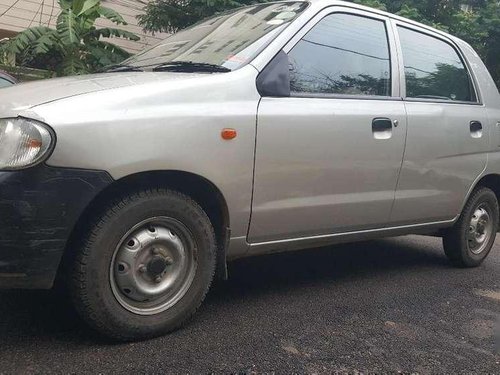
{"points": [[230, 39], [4, 83], [433, 68], [342, 54]]}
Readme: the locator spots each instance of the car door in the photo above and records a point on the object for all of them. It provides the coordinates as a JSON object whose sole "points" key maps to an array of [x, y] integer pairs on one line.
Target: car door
{"points": [[448, 131], [328, 155]]}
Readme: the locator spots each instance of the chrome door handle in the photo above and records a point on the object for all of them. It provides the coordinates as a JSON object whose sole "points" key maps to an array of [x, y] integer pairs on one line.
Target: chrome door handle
{"points": [[382, 128], [476, 129]]}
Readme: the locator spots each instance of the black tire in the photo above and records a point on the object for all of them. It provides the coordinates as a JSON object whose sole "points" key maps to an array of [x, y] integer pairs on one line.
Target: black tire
{"points": [[456, 242], [91, 288]]}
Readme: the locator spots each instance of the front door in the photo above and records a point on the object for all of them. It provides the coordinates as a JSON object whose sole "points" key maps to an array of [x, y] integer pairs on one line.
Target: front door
{"points": [[328, 157]]}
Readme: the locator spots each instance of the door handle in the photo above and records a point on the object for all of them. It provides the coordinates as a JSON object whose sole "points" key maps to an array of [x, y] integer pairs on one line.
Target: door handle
{"points": [[476, 129], [382, 128], [498, 134]]}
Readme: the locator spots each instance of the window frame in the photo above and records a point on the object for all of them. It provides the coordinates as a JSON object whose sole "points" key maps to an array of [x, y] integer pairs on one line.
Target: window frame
{"points": [[443, 38], [392, 48]]}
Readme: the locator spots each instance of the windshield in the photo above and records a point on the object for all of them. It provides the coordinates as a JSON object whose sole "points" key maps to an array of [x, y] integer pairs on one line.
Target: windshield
{"points": [[229, 40]]}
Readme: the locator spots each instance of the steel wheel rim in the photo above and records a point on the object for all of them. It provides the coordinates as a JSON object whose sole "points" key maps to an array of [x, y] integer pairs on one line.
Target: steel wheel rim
{"points": [[153, 265], [480, 229]]}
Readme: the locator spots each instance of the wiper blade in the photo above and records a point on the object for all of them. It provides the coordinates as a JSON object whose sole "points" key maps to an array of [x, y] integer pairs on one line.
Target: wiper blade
{"points": [[190, 66], [120, 68]]}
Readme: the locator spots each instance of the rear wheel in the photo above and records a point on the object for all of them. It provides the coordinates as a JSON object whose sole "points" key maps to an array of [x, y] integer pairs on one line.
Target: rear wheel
{"points": [[145, 265], [470, 240]]}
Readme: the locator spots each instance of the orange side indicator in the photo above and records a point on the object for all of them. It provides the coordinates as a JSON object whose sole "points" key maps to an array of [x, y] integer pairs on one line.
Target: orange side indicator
{"points": [[34, 143], [228, 134]]}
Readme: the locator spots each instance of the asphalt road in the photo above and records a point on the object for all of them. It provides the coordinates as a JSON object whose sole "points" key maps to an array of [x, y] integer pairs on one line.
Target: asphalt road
{"points": [[382, 306]]}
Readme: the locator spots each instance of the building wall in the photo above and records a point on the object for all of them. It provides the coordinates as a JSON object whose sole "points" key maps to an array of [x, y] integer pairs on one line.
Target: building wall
{"points": [[17, 15]]}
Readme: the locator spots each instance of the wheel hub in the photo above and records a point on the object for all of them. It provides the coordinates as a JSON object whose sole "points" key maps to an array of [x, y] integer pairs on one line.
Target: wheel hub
{"points": [[157, 266], [480, 230], [153, 265]]}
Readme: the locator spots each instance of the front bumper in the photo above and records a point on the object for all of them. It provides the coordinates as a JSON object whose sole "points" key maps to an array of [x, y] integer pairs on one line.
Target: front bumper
{"points": [[39, 208]]}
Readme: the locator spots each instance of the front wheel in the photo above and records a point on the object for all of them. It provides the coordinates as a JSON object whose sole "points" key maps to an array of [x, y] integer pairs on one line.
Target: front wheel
{"points": [[145, 266], [469, 241]]}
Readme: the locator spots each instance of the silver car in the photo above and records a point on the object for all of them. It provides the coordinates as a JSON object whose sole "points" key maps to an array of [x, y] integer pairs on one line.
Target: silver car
{"points": [[268, 128]]}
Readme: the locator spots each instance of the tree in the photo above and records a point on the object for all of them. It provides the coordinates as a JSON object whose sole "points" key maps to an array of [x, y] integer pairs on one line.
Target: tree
{"points": [[479, 26], [75, 45], [173, 15]]}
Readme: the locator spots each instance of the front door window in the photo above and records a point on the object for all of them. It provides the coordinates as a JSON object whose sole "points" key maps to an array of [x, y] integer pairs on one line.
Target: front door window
{"points": [[343, 54]]}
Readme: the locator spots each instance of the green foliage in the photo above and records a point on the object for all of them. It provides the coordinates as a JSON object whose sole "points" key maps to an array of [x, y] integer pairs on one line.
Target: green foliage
{"points": [[172, 15], [480, 27], [377, 4], [75, 45]]}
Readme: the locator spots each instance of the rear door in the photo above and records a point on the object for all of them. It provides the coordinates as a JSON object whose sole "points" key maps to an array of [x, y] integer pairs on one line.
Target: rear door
{"points": [[328, 157], [448, 131]]}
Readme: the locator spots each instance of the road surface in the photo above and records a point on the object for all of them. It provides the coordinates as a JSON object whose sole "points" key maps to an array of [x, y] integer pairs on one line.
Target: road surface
{"points": [[380, 306]]}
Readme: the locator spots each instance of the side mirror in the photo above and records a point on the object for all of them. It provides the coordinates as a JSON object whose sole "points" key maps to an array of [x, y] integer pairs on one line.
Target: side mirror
{"points": [[274, 79]]}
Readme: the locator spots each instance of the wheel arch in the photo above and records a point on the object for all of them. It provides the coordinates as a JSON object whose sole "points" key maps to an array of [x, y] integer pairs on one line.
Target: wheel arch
{"points": [[197, 187], [491, 181]]}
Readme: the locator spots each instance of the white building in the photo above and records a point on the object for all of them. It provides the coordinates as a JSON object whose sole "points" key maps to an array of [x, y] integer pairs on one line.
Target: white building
{"points": [[17, 15]]}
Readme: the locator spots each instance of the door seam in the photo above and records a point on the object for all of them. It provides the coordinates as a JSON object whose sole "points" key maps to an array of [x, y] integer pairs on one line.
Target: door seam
{"points": [[253, 169], [407, 122]]}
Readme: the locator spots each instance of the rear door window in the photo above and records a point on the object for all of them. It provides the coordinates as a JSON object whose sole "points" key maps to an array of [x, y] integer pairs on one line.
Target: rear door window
{"points": [[433, 68]]}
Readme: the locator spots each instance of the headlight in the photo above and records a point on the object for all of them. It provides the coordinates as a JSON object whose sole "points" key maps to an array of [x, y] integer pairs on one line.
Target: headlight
{"points": [[23, 143]]}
